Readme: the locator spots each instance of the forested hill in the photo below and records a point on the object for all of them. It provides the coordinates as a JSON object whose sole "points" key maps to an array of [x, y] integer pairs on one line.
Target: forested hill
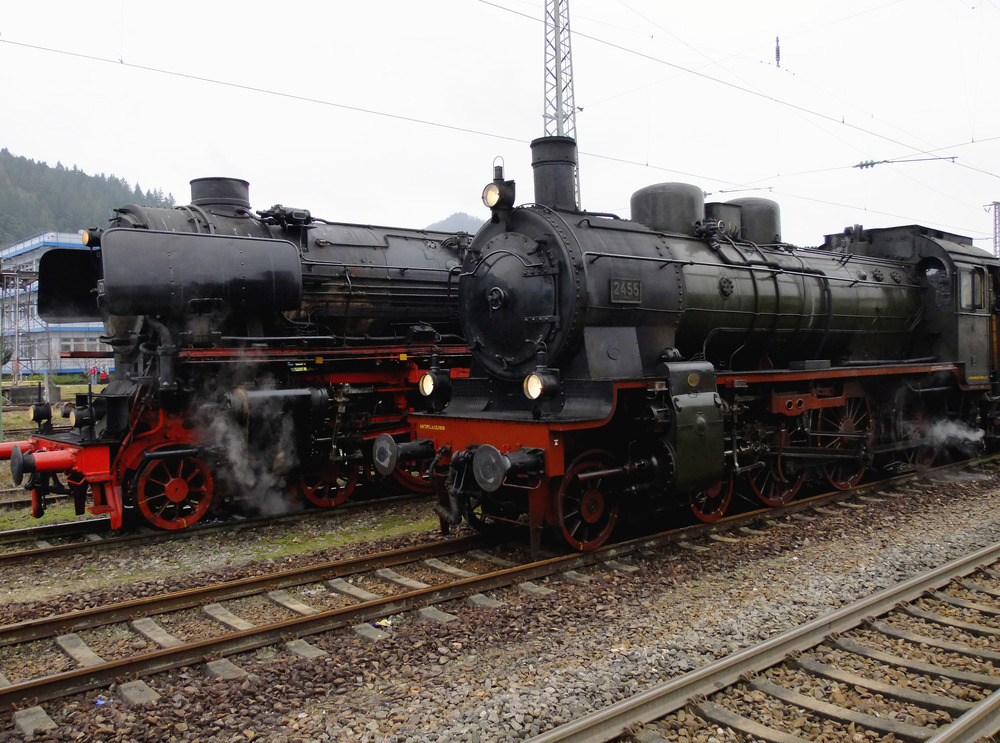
{"points": [[36, 198]]}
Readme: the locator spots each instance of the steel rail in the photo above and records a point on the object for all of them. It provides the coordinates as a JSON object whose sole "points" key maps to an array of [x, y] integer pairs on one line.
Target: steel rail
{"points": [[79, 680], [79, 528], [158, 661], [87, 618], [49, 531], [981, 721], [616, 719], [98, 616]]}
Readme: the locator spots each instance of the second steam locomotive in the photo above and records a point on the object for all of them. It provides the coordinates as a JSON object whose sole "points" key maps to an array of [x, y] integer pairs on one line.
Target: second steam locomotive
{"points": [[251, 350], [624, 366]]}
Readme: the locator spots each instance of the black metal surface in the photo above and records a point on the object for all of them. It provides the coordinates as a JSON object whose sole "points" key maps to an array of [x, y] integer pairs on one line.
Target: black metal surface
{"points": [[176, 273]]}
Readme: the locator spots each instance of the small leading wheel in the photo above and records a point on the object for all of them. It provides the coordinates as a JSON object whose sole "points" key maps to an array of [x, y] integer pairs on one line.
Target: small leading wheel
{"points": [[489, 513], [711, 503], [173, 493], [586, 509], [415, 478], [845, 428], [332, 485]]}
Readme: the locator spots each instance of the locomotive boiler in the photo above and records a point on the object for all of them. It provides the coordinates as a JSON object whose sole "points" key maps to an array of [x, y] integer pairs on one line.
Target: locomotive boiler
{"points": [[627, 365], [252, 351]]}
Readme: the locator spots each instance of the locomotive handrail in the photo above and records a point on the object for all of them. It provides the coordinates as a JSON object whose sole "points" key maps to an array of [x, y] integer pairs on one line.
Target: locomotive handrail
{"points": [[482, 260], [341, 264], [595, 255]]}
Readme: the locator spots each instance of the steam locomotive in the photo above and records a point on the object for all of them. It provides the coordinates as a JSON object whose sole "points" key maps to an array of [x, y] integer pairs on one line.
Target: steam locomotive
{"points": [[623, 366], [251, 350]]}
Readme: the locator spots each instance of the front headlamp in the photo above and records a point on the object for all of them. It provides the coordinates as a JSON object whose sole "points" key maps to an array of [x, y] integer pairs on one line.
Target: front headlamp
{"points": [[491, 195], [499, 195], [541, 383], [435, 386], [426, 384]]}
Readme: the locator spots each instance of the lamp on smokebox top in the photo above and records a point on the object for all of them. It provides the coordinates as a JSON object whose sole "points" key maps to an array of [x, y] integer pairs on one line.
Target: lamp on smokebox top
{"points": [[543, 382], [499, 195]]}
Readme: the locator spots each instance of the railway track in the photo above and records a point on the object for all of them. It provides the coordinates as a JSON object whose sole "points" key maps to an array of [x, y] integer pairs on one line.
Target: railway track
{"points": [[363, 607], [367, 607], [309, 622], [805, 674], [94, 535], [362, 610]]}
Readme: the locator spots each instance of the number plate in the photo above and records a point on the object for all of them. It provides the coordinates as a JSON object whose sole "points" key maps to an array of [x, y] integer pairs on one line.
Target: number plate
{"points": [[626, 291]]}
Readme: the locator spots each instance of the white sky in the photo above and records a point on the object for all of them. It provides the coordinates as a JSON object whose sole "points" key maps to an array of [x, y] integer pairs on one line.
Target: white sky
{"points": [[392, 111]]}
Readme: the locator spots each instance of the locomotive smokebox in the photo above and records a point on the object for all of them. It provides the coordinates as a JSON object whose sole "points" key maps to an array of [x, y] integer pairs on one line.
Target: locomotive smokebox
{"points": [[220, 192], [553, 160], [669, 207]]}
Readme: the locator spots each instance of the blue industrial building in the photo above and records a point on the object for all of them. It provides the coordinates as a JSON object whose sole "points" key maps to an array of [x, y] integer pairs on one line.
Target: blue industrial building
{"points": [[37, 347]]}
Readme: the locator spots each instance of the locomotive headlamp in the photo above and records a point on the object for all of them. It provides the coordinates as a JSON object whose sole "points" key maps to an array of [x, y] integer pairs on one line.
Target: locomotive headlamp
{"points": [[541, 383], [81, 416], [426, 384], [41, 412], [435, 385], [499, 195]]}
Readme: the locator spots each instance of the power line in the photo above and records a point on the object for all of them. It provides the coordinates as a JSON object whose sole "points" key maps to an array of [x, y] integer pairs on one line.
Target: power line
{"points": [[469, 130], [266, 91]]}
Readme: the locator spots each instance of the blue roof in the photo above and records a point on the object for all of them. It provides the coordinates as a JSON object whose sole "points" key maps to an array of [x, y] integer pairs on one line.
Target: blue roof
{"points": [[45, 240]]}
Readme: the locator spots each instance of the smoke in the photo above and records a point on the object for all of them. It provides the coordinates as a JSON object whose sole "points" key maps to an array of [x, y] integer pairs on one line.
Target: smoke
{"points": [[253, 469], [251, 461], [953, 434]]}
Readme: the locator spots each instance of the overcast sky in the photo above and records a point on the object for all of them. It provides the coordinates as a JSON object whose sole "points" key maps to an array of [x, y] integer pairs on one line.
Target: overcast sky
{"points": [[392, 111]]}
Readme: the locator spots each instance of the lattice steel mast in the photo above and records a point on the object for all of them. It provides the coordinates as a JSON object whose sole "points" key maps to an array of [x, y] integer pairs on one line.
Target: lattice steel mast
{"points": [[995, 208], [559, 114]]}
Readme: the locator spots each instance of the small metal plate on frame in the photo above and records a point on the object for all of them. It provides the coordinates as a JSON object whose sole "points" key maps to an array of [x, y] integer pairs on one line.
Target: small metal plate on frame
{"points": [[626, 291]]}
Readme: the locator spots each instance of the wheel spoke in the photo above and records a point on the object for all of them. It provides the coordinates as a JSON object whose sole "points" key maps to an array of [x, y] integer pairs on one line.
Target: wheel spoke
{"points": [[586, 509], [332, 485], [710, 504], [839, 429], [174, 493]]}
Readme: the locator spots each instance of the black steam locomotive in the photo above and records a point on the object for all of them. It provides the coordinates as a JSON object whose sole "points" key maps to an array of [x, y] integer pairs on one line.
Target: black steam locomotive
{"points": [[623, 365], [250, 351]]}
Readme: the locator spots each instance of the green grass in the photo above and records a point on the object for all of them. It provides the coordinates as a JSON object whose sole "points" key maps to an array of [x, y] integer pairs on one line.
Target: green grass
{"points": [[20, 518], [297, 544]]}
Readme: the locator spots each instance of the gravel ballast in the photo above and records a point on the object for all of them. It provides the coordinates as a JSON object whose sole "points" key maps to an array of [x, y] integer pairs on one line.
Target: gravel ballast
{"points": [[538, 661]]}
